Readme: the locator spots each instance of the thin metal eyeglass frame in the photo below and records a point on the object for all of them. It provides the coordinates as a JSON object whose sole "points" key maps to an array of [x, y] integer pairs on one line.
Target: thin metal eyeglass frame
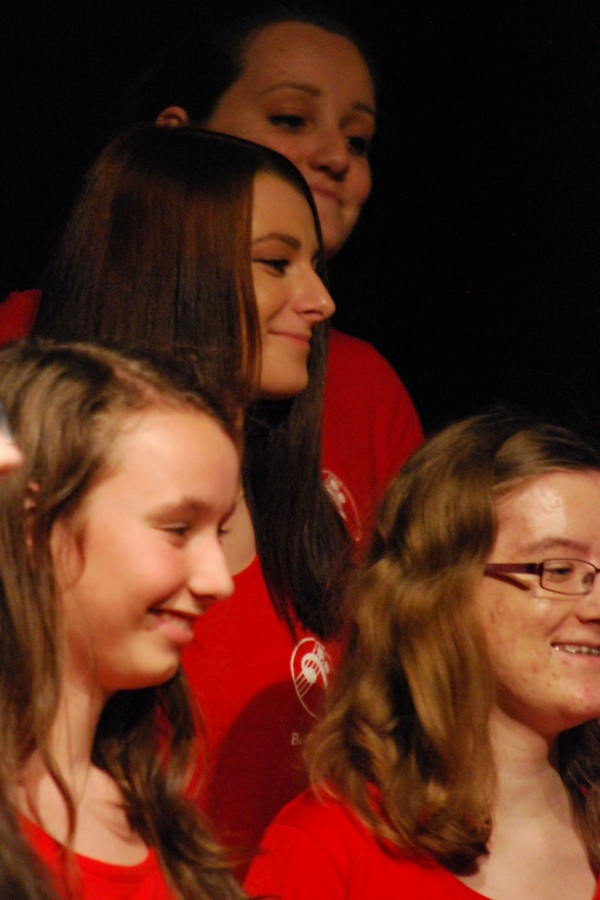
{"points": [[502, 572]]}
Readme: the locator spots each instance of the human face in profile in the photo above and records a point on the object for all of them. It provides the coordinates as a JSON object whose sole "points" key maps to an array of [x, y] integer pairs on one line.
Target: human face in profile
{"points": [[545, 647], [141, 558], [308, 94], [290, 296]]}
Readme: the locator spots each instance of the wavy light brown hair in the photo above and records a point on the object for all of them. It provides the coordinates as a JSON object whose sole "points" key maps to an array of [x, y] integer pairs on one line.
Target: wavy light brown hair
{"points": [[66, 404], [409, 711]]}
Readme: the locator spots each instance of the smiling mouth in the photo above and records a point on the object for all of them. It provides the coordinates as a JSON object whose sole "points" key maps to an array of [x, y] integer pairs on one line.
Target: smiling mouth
{"points": [[303, 339], [325, 192], [577, 649], [185, 620]]}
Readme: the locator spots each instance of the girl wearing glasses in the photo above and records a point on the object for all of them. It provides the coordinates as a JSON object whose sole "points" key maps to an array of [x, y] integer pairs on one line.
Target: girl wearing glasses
{"points": [[459, 757], [110, 549]]}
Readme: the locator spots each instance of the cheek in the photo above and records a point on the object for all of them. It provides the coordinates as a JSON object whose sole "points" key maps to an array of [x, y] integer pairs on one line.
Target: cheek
{"points": [[359, 184], [293, 147], [268, 299]]}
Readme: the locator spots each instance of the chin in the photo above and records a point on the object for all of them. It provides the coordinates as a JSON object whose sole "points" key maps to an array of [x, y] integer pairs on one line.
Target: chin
{"points": [[335, 235], [284, 390]]}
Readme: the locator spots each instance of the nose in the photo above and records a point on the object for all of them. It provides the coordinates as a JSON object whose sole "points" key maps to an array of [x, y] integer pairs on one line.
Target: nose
{"points": [[330, 153], [588, 607], [209, 577], [313, 301]]}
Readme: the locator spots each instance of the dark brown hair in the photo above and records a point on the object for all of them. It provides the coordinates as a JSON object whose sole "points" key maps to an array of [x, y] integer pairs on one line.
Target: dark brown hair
{"points": [[157, 253], [199, 64], [66, 404], [409, 711]]}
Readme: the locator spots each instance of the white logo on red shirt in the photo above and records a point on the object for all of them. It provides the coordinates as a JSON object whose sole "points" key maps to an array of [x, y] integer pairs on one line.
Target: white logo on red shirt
{"points": [[344, 502], [311, 666]]}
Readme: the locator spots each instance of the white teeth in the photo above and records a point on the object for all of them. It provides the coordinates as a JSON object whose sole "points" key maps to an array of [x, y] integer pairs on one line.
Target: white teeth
{"points": [[578, 648], [169, 616]]}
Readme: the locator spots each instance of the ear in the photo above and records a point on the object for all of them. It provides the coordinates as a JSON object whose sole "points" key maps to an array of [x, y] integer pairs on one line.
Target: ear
{"points": [[173, 117]]}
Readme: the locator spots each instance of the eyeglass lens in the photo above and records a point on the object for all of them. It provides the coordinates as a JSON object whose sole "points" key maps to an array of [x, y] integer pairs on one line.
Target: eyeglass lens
{"points": [[568, 576]]}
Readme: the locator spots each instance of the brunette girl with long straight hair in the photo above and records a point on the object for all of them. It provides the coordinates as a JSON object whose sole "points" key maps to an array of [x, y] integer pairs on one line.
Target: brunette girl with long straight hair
{"points": [[459, 754], [98, 735], [188, 237], [157, 253]]}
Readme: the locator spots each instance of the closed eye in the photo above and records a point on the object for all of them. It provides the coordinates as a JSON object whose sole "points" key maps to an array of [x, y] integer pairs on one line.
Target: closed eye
{"points": [[359, 146], [289, 122], [177, 529], [277, 264]]}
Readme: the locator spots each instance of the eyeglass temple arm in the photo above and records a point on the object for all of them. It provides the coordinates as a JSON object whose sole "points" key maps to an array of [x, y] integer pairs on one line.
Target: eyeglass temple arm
{"points": [[503, 571]]}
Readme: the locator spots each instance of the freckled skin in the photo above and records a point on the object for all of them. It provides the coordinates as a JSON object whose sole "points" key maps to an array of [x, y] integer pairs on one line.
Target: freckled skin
{"points": [[538, 682]]}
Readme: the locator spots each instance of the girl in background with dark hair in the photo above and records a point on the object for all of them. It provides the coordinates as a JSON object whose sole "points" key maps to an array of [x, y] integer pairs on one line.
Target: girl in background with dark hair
{"points": [[183, 236], [298, 81], [110, 549], [459, 754]]}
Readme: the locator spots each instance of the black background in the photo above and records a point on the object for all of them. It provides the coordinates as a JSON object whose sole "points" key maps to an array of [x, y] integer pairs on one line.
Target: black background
{"points": [[475, 267]]}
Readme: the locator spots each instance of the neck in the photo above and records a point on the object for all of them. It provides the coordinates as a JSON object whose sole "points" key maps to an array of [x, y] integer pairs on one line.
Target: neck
{"points": [[70, 744], [526, 770]]}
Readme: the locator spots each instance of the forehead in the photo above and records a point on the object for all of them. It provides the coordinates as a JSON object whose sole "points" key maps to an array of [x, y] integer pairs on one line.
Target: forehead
{"points": [[278, 206], [158, 438], [297, 52], [554, 513]]}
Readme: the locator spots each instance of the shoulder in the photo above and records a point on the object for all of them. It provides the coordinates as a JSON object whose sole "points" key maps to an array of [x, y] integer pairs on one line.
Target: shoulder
{"points": [[318, 815], [317, 848], [357, 370], [369, 421], [305, 853], [345, 350]]}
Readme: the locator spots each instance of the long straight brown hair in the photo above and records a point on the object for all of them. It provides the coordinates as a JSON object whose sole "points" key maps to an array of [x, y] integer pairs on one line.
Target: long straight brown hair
{"points": [[410, 708], [158, 253], [66, 404]]}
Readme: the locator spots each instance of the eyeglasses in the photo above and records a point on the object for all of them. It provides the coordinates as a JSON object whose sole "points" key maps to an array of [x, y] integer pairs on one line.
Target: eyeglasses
{"points": [[573, 577]]}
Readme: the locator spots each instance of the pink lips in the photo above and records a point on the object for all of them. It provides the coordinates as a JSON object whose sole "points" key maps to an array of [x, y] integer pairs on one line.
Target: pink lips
{"points": [[302, 339], [177, 626], [327, 193]]}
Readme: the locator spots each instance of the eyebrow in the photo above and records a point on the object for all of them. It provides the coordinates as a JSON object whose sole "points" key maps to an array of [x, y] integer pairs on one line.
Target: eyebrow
{"points": [[359, 106], [292, 242], [186, 506], [558, 542]]}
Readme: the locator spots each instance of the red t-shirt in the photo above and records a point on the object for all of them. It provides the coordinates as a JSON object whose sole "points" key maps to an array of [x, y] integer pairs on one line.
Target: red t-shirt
{"points": [[98, 880], [370, 429], [319, 850], [260, 690]]}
